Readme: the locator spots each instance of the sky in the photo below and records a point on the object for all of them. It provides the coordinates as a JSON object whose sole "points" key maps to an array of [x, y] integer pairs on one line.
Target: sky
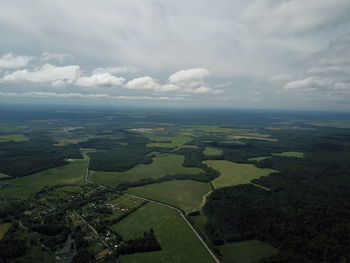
{"points": [[273, 54]]}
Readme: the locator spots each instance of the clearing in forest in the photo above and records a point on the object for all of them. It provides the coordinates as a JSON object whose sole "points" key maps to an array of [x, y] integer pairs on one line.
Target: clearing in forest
{"points": [[162, 165], [236, 173], [186, 195]]}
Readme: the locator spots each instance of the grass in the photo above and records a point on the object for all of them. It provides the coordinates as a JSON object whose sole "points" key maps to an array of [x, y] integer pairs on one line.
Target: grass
{"points": [[168, 142], [186, 195], [162, 165], [4, 175], [246, 251], [258, 159], [178, 242], [3, 229], [13, 137], [72, 173], [230, 143], [214, 129], [236, 173], [211, 151], [290, 154]]}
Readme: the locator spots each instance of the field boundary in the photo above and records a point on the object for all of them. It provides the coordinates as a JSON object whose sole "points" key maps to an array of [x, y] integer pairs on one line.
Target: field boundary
{"points": [[162, 204]]}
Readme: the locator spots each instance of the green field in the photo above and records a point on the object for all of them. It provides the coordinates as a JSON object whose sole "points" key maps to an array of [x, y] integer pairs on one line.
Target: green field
{"points": [[258, 159], [211, 151], [236, 173], [164, 141], [246, 251], [3, 229], [178, 242], [186, 195], [290, 154], [4, 175], [162, 165], [13, 137], [215, 129], [72, 173]]}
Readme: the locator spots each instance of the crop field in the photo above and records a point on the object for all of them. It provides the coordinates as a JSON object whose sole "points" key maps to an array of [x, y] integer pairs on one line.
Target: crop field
{"points": [[211, 151], [13, 137], [246, 251], [168, 142], [290, 154], [178, 242], [186, 195], [235, 173], [3, 229], [72, 173], [162, 165]]}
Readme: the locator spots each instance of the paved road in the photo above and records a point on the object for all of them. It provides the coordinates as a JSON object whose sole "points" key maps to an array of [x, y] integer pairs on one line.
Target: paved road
{"points": [[159, 203]]}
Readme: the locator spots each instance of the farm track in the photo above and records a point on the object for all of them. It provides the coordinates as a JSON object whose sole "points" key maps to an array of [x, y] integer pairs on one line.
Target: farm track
{"points": [[159, 203], [93, 229]]}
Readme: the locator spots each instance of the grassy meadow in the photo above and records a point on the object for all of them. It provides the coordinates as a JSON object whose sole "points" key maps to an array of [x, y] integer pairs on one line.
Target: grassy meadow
{"points": [[290, 154], [162, 165], [258, 159], [72, 173], [186, 195], [168, 142], [3, 229], [211, 151], [13, 137], [235, 173], [178, 242]]}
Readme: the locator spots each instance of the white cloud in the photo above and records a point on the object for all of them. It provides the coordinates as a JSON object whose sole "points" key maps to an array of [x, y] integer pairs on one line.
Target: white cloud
{"points": [[168, 87], [143, 83], [87, 96], [45, 74], [46, 56], [297, 16], [201, 90], [11, 61], [100, 79], [325, 72], [116, 70], [186, 76]]}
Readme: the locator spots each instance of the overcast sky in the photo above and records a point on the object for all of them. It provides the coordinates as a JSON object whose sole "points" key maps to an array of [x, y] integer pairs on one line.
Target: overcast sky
{"points": [[287, 54]]}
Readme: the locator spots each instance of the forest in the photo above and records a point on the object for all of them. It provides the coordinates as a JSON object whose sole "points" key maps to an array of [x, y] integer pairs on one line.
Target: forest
{"points": [[305, 212], [36, 154]]}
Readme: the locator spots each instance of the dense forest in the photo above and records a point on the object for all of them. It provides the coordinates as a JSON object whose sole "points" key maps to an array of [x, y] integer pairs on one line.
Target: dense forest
{"points": [[34, 155], [304, 214]]}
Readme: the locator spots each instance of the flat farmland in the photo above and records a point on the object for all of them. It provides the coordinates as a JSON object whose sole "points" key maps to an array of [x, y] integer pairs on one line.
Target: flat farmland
{"points": [[290, 154], [13, 137], [168, 142], [186, 195], [178, 242], [236, 173], [211, 151], [72, 173], [162, 165]]}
